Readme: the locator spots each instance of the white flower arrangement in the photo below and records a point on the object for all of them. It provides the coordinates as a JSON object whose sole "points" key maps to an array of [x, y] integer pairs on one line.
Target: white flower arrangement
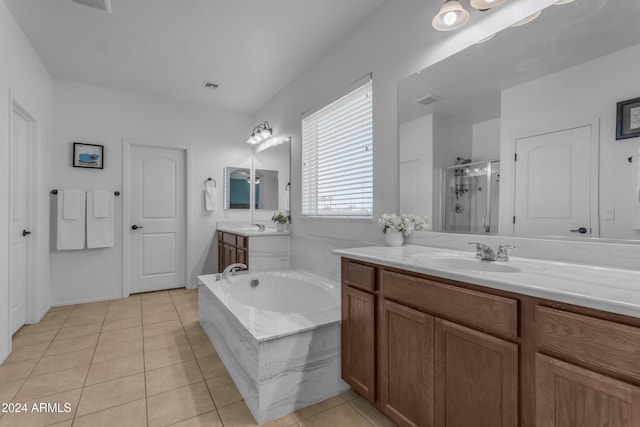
{"points": [[406, 224]]}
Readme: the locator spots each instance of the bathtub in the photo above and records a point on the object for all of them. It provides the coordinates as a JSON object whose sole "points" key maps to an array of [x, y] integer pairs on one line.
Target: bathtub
{"points": [[278, 335]]}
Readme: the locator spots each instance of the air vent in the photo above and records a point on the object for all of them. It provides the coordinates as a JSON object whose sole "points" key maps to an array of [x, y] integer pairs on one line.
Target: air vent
{"points": [[429, 99], [210, 85], [103, 5]]}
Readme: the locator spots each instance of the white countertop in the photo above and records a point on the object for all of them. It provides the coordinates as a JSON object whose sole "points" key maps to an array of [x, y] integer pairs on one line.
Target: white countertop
{"points": [[608, 289], [252, 231]]}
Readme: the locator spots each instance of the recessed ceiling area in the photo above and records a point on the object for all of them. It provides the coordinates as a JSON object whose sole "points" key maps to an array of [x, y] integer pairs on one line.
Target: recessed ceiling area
{"points": [[251, 48]]}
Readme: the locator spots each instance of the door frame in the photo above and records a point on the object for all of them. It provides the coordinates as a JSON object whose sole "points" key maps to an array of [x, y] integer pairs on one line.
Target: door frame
{"points": [[16, 107], [594, 167], [127, 143]]}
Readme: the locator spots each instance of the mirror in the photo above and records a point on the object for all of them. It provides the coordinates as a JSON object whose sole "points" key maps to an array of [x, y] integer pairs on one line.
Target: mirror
{"points": [[271, 163], [546, 92], [237, 189], [266, 189]]}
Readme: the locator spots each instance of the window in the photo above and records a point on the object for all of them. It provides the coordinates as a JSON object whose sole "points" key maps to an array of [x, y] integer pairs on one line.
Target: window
{"points": [[337, 157]]}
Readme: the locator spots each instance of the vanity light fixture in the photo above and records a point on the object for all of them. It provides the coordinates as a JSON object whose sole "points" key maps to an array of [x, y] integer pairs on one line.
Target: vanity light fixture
{"points": [[272, 142], [485, 4], [260, 133], [450, 17]]}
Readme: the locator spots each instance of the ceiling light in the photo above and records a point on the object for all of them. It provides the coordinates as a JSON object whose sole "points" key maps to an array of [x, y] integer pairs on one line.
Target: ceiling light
{"points": [[527, 19], [260, 132], [450, 17], [485, 4], [561, 2]]}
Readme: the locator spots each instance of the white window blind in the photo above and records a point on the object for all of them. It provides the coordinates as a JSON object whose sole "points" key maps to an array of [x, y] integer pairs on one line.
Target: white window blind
{"points": [[337, 157]]}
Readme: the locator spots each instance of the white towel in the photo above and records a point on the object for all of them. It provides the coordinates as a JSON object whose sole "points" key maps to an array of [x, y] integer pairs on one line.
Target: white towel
{"points": [[101, 203], [635, 196], [71, 204], [210, 196], [70, 232], [100, 229]]}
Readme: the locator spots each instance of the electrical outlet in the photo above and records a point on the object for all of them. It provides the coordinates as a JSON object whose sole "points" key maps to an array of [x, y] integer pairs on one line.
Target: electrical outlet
{"points": [[609, 214]]}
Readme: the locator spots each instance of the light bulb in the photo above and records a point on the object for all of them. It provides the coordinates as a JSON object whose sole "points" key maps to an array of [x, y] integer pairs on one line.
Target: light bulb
{"points": [[450, 18]]}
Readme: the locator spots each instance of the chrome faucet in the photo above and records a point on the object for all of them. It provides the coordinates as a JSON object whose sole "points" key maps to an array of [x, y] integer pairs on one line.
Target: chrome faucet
{"points": [[260, 227], [230, 269], [485, 252]]}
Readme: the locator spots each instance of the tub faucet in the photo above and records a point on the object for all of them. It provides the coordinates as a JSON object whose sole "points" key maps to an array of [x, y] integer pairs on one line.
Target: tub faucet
{"points": [[230, 269], [260, 227]]}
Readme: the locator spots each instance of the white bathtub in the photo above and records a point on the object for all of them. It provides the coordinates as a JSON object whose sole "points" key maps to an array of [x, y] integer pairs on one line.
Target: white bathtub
{"points": [[279, 340]]}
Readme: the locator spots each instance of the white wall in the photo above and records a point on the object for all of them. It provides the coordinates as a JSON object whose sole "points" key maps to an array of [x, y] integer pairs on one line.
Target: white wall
{"points": [[578, 96], [486, 141], [393, 42], [23, 75], [416, 151], [97, 115]]}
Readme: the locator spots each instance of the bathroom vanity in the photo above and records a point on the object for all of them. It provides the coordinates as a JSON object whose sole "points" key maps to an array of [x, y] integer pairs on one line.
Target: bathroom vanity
{"points": [[435, 338], [259, 250]]}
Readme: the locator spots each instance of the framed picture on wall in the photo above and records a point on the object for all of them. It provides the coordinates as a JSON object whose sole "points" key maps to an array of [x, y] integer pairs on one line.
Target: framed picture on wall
{"points": [[88, 156], [628, 119]]}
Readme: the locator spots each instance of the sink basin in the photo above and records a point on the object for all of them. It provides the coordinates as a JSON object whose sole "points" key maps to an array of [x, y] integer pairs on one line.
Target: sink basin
{"points": [[460, 263]]}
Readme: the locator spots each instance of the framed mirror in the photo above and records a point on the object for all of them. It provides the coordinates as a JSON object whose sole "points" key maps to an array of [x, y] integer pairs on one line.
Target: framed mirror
{"points": [[271, 167], [538, 102], [237, 188]]}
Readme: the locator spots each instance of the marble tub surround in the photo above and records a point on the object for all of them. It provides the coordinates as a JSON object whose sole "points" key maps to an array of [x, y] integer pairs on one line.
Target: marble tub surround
{"points": [[269, 251], [276, 368], [602, 288], [265, 325]]}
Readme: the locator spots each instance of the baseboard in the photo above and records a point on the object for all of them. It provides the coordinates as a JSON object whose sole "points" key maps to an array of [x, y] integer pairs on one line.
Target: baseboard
{"points": [[84, 301]]}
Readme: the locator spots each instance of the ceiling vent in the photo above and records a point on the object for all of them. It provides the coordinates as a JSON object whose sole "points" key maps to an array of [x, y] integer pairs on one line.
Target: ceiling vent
{"points": [[103, 5], [210, 85], [429, 99]]}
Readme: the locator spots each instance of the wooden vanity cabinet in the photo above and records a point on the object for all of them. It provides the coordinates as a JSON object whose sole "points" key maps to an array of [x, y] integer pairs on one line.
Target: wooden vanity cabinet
{"points": [[430, 370], [232, 248], [433, 352]]}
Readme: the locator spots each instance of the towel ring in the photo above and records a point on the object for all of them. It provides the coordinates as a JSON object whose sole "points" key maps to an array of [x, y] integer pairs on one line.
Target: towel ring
{"points": [[215, 184]]}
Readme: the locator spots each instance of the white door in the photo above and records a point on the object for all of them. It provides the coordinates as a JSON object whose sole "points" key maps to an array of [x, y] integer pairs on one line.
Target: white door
{"points": [[157, 218], [21, 133], [411, 187], [553, 184]]}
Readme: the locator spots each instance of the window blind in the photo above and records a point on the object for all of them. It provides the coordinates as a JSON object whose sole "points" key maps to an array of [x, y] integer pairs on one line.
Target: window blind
{"points": [[337, 157]]}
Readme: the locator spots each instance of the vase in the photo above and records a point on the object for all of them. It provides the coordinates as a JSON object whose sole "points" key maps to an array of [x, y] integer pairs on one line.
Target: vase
{"points": [[393, 238], [279, 227]]}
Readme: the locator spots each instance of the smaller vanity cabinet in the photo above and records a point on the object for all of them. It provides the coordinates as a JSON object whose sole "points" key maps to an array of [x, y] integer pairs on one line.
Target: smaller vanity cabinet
{"points": [[232, 248]]}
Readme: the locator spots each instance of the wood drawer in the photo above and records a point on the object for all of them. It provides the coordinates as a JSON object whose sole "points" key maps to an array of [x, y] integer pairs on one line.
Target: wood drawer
{"points": [[359, 276], [487, 312], [609, 345], [229, 238]]}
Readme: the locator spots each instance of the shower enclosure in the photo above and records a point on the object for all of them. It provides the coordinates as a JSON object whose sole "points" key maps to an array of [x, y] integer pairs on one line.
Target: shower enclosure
{"points": [[470, 197]]}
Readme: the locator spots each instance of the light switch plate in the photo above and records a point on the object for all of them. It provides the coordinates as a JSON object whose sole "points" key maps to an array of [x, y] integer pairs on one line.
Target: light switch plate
{"points": [[609, 214]]}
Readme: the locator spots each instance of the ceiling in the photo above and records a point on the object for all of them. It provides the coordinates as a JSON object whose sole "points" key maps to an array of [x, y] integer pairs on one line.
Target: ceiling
{"points": [[251, 48]]}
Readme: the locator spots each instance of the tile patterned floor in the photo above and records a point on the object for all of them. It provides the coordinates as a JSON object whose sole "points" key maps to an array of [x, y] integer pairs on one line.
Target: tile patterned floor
{"points": [[139, 361]]}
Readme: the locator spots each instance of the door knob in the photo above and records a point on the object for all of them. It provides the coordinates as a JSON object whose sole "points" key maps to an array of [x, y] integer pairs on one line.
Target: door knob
{"points": [[581, 230], [25, 233], [135, 227]]}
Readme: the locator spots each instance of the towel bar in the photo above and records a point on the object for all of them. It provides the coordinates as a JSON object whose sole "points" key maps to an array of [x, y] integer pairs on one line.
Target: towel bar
{"points": [[117, 193]]}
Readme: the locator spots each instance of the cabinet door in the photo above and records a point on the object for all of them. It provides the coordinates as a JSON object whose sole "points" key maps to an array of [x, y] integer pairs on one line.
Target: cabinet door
{"points": [[358, 344], [241, 256], [406, 340], [568, 395], [476, 378], [221, 260]]}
